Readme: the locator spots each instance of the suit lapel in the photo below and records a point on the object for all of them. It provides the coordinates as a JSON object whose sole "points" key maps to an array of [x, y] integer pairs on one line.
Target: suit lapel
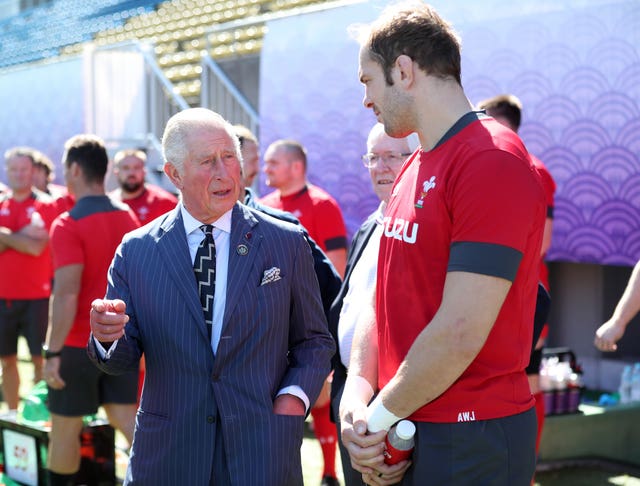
{"points": [[243, 247], [366, 231], [173, 247]]}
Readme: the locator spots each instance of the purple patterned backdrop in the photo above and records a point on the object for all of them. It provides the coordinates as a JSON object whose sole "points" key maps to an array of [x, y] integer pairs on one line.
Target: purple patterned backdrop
{"points": [[42, 107], [574, 64]]}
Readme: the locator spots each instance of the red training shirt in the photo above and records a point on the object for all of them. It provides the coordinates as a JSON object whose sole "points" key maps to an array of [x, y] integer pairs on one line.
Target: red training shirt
{"points": [[24, 276], [317, 211], [89, 235], [151, 203], [474, 203]]}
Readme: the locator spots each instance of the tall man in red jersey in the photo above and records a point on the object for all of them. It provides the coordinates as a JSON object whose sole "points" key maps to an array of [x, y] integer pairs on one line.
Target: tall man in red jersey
{"points": [[286, 171], [25, 268], [83, 243], [457, 274], [147, 200], [507, 109]]}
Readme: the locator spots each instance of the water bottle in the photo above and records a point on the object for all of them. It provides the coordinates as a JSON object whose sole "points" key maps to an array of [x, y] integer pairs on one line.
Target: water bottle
{"points": [[625, 384], [635, 383], [574, 388], [560, 378], [546, 386], [399, 442]]}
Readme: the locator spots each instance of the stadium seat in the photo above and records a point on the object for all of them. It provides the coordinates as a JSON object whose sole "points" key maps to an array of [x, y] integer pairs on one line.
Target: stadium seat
{"points": [[177, 29]]}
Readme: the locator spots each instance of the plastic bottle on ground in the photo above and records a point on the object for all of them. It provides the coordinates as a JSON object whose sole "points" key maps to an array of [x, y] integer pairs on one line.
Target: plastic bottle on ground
{"points": [[635, 383], [624, 390]]}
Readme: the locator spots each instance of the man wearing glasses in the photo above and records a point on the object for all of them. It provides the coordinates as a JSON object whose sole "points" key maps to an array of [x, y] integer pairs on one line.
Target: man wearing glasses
{"points": [[384, 159]]}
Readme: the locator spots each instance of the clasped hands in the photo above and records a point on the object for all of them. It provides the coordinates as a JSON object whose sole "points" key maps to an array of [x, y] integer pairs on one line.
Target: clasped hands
{"points": [[366, 450]]}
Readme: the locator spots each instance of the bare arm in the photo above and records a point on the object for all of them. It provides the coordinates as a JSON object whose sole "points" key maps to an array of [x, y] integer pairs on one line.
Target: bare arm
{"points": [[62, 313], [365, 451], [339, 260], [30, 240], [546, 236], [448, 345], [609, 333]]}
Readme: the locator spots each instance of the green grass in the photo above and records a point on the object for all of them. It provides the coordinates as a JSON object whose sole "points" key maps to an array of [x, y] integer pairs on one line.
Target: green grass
{"points": [[585, 476]]}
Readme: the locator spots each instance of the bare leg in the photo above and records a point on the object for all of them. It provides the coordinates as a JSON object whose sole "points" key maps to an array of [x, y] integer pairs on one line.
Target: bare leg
{"points": [[64, 444], [37, 368], [123, 418], [10, 381]]}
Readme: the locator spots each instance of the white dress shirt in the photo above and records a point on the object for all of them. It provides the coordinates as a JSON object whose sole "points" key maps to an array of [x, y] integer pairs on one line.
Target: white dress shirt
{"points": [[362, 289]]}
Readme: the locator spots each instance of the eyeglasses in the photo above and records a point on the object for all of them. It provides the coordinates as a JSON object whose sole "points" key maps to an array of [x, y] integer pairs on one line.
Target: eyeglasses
{"points": [[391, 159]]}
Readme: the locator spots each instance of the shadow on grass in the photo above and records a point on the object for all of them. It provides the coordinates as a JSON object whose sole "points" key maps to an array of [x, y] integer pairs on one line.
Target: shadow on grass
{"points": [[587, 472]]}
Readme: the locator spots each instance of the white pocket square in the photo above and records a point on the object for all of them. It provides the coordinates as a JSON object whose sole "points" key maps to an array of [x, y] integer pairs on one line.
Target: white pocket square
{"points": [[271, 275]]}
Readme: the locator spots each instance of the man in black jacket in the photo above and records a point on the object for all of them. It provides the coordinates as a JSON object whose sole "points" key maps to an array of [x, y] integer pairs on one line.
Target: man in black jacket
{"points": [[384, 159]]}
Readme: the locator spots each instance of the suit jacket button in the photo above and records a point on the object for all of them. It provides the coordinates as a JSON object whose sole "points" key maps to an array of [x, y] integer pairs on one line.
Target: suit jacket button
{"points": [[215, 376], [211, 419]]}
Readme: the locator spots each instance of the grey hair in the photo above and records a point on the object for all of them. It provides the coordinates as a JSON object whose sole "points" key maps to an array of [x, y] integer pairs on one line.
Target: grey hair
{"points": [[412, 139], [174, 140]]}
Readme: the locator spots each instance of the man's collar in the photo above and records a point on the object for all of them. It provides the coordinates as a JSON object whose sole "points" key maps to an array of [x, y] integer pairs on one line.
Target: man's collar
{"points": [[379, 214], [191, 224]]}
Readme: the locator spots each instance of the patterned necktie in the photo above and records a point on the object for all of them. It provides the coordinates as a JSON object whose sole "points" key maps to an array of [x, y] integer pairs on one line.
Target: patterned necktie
{"points": [[204, 269]]}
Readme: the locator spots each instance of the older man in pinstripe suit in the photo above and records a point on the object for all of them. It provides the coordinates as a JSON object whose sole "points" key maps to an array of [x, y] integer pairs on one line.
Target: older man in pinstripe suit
{"points": [[227, 409]]}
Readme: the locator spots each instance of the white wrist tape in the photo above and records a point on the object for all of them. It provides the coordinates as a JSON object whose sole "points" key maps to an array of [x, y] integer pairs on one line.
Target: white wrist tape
{"points": [[360, 387], [378, 417]]}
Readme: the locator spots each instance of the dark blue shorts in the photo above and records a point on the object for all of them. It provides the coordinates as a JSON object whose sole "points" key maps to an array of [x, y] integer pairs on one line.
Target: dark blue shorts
{"points": [[28, 318], [87, 387], [497, 452]]}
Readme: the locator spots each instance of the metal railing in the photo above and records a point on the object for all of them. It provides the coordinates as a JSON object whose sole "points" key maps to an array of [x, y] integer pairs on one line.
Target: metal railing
{"points": [[161, 101], [217, 92]]}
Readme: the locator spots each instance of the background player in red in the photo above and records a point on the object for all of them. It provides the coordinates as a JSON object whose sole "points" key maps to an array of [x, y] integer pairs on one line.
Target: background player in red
{"points": [[147, 200], [286, 171], [43, 177], [457, 273], [25, 217], [285, 165], [83, 243], [507, 109]]}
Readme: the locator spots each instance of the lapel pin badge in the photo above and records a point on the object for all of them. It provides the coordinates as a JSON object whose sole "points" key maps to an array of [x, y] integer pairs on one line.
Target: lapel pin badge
{"points": [[242, 250]]}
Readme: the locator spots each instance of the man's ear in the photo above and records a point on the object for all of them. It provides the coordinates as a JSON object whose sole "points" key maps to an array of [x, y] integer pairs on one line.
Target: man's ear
{"points": [[405, 67], [173, 174], [74, 169], [298, 166]]}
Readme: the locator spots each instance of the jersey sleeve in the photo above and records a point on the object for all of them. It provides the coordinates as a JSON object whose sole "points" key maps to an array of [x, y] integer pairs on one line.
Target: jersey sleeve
{"points": [[496, 204], [549, 186], [66, 246], [330, 227]]}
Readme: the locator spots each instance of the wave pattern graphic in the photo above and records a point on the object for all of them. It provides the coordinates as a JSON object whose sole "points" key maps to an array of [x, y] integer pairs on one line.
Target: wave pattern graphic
{"points": [[576, 69], [580, 87]]}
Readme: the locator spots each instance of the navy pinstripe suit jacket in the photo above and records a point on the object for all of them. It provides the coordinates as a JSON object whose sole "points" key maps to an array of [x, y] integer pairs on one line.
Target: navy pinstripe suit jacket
{"points": [[273, 335]]}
